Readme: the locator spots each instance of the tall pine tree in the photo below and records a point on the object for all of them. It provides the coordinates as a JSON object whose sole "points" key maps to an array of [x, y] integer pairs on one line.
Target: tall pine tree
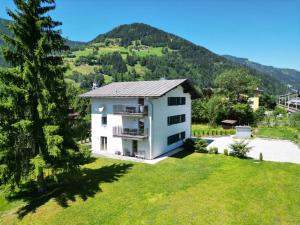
{"points": [[34, 125]]}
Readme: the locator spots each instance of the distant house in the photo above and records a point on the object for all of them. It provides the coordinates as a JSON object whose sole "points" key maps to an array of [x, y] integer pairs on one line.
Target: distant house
{"points": [[143, 118], [253, 101]]}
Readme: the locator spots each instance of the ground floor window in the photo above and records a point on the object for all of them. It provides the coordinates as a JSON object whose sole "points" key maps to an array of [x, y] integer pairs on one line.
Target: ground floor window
{"points": [[103, 143], [176, 137]]}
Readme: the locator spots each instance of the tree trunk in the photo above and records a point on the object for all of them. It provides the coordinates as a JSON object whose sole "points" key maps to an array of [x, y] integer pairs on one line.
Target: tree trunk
{"points": [[40, 181]]}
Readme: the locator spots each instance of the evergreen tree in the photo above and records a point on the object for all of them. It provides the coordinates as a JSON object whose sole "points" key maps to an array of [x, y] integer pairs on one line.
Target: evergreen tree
{"points": [[34, 125]]}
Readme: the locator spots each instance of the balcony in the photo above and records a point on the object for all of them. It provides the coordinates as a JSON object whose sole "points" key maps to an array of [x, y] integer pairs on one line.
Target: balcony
{"points": [[130, 133], [131, 110]]}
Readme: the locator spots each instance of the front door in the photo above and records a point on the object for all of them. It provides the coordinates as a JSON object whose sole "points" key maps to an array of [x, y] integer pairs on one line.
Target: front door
{"points": [[103, 143], [134, 147]]}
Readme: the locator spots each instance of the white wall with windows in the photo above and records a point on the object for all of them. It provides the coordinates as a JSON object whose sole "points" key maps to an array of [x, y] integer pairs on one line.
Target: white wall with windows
{"points": [[165, 107], [168, 116], [104, 119]]}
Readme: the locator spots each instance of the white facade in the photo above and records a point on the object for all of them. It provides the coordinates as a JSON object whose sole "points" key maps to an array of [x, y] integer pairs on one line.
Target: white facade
{"points": [[143, 132]]}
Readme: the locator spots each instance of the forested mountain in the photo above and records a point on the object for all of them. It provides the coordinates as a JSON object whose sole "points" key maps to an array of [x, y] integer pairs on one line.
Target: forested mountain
{"points": [[141, 52], [287, 76], [161, 54]]}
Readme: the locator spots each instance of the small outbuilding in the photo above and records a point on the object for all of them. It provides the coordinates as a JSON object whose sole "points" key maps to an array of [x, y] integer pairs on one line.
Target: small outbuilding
{"points": [[229, 124]]}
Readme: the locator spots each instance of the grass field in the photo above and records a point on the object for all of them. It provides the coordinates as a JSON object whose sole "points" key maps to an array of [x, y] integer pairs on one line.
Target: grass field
{"points": [[185, 189], [280, 132]]}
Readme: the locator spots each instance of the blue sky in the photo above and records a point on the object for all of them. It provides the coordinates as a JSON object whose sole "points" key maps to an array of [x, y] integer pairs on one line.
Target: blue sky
{"points": [[265, 31]]}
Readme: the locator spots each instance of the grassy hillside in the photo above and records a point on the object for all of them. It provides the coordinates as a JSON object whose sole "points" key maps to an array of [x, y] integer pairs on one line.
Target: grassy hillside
{"points": [[148, 53], [141, 52], [184, 189], [288, 76]]}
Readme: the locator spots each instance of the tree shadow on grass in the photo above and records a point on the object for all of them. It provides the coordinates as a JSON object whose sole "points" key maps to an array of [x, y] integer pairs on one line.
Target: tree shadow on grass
{"points": [[83, 184]]}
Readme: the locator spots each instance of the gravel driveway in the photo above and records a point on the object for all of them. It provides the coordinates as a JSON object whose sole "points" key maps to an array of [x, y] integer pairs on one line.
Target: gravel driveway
{"points": [[272, 150]]}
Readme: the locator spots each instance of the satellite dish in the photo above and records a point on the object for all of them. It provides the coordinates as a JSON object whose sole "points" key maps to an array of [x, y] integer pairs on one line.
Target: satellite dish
{"points": [[101, 109]]}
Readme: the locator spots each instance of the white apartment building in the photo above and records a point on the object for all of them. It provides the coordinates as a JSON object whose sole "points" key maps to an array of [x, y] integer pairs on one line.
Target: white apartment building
{"points": [[141, 119]]}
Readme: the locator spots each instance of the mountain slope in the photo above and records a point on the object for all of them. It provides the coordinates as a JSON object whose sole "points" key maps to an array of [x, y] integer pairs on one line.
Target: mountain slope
{"points": [[193, 61], [141, 52], [288, 76]]}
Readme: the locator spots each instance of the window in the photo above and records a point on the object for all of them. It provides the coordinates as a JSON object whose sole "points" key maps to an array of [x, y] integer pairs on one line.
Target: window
{"points": [[176, 137], [176, 119], [104, 120], [176, 101], [103, 143]]}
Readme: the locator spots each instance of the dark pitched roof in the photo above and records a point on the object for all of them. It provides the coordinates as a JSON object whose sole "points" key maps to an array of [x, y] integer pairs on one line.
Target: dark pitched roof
{"points": [[155, 88]]}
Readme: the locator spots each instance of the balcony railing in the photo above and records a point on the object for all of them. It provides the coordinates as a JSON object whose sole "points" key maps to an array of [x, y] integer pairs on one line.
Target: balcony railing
{"points": [[132, 110], [130, 133]]}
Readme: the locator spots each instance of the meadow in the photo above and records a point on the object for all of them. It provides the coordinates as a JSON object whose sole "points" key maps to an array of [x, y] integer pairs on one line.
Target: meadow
{"points": [[188, 188]]}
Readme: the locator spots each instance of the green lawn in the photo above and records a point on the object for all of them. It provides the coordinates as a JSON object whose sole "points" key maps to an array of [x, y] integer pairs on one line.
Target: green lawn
{"points": [[186, 189], [280, 132]]}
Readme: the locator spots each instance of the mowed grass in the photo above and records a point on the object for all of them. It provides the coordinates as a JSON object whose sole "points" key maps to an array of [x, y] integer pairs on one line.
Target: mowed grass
{"points": [[186, 189], [280, 132]]}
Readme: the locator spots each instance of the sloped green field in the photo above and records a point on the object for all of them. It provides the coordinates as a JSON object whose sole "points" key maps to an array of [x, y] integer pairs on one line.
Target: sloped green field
{"points": [[185, 189]]}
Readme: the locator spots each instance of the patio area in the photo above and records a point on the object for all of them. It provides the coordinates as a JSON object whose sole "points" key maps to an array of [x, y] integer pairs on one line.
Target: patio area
{"points": [[272, 150], [105, 154]]}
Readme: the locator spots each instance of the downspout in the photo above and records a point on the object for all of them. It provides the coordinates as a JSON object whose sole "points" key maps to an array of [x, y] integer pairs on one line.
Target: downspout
{"points": [[150, 123]]}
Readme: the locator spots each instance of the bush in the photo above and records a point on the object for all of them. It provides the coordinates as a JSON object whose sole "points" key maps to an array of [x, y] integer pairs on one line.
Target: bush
{"points": [[216, 150], [225, 151], [200, 146], [240, 149], [84, 153], [295, 120], [189, 145], [213, 150], [261, 157]]}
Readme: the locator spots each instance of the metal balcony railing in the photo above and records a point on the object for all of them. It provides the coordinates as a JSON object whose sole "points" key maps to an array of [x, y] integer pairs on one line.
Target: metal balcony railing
{"points": [[130, 133], [138, 110]]}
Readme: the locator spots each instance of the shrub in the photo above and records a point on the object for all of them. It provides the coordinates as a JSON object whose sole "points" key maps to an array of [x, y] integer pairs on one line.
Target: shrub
{"points": [[240, 149], [211, 150], [295, 120], [225, 151], [84, 153], [261, 158], [216, 150], [200, 146], [189, 145]]}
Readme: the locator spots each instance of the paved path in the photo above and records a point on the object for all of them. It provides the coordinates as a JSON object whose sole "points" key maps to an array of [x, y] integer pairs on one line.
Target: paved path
{"points": [[104, 154], [272, 150]]}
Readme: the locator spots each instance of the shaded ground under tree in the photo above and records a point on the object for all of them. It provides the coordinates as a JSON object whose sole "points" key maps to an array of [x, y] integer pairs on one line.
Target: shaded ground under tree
{"points": [[84, 184]]}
